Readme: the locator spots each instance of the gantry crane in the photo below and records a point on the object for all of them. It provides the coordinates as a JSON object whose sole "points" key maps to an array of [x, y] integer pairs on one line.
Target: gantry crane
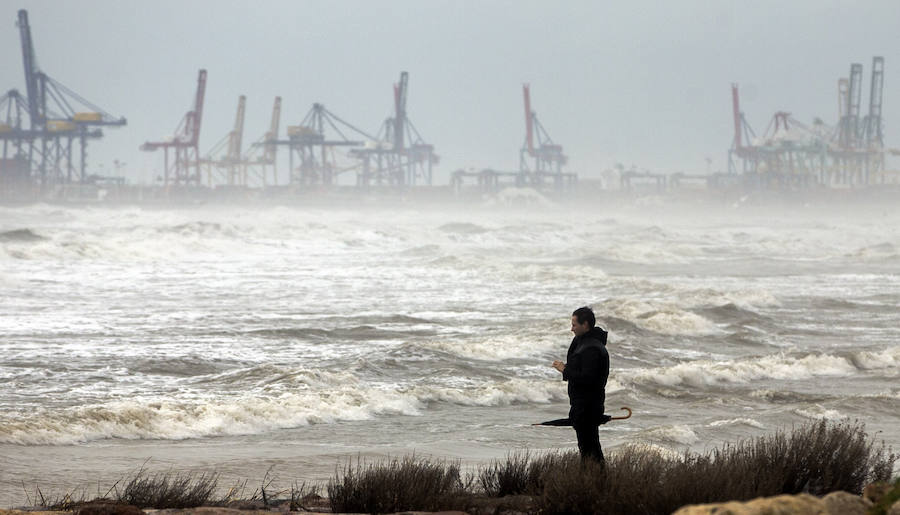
{"points": [[542, 158], [263, 152], [398, 156], [60, 123], [873, 132], [225, 156], [185, 170], [791, 154], [16, 142], [313, 143]]}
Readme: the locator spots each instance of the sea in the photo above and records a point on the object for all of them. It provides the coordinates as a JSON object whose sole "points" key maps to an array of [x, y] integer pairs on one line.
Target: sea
{"points": [[284, 342]]}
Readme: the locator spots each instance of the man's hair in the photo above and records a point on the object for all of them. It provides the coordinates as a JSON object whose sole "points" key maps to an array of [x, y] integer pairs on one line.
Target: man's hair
{"points": [[585, 314]]}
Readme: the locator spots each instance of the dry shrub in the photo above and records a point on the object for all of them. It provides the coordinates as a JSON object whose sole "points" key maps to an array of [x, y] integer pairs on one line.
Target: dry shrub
{"points": [[816, 458], [519, 473], [168, 490], [410, 484]]}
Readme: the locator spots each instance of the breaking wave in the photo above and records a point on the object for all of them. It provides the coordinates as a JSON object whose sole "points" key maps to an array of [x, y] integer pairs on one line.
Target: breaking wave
{"points": [[20, 235], [737, 422], [704, 373], [661, 318], [819, 412], [313, 399], [677, 434]]}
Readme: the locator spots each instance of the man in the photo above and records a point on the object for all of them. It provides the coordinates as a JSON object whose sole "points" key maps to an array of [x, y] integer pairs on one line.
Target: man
{"points": [[586, 370]]}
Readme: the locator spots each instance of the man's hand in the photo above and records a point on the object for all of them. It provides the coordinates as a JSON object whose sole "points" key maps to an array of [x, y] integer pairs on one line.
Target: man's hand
{"points": [[558, 365]]}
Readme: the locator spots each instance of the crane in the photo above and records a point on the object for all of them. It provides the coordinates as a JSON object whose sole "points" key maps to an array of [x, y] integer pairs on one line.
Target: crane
{"points": [[259, 160], [313, 142], [398, 156], [16, 141], [849, 124], [60, 121], [231, 161], [184, 144], [541, 158]]}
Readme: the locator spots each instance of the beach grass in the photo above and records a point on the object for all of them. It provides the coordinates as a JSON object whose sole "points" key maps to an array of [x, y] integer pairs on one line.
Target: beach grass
{"points": [[816, 458]]}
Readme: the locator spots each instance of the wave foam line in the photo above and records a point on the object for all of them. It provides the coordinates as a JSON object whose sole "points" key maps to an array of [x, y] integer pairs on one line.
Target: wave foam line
{"points": [[703, 373], [175, 419]]}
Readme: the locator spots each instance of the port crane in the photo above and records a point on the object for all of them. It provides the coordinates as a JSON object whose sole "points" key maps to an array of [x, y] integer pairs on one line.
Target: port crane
{"points": [[397, 156], [185, 168], [792, 154], [540, 157], [53, 146], [263, 152], [225, 156], [312, 146]]}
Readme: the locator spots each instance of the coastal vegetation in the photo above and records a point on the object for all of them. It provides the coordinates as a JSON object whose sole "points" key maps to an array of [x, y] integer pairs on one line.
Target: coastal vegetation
{"points": [[816, 458]]}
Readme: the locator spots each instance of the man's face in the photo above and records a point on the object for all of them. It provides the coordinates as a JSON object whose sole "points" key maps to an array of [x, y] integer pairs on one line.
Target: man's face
{"points": [[577, 328]]}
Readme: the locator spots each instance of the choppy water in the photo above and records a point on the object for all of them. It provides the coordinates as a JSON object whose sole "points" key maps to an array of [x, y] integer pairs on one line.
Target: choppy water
{"points": [[245, 337]]}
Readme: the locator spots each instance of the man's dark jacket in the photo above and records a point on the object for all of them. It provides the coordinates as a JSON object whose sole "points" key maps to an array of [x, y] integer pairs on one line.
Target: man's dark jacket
{"points": [[587, 369]]}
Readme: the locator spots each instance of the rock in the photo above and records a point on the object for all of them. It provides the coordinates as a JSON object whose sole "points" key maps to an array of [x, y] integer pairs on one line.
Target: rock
{"points": [[107, 508], [510, 504], [875, 491], [802, 504], [843, 503], [895, 509]]}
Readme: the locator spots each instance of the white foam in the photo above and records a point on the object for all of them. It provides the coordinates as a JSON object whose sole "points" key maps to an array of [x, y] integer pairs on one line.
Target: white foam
{"points": [[495, 394], [705, 373], [495, 348], [513, 196], [886, 359], [659, 317], [737, 422], [680, 434], [179, 420], [659, 450], [819, 412], [313, 399]]}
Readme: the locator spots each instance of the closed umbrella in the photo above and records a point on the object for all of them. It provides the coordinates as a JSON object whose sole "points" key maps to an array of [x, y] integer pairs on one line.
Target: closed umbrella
{"points": [[567, 422]]}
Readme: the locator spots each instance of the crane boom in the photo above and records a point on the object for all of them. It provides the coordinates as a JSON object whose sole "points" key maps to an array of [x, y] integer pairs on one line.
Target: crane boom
{"points": [[31, 72], [873, 120], [273, 131], [843, 88], [400, 107], [237, 135], [736, 112], [529, 119], [197, 114]]}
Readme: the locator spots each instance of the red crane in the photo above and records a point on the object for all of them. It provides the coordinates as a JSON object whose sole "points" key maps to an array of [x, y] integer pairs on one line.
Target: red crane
{"points": [[542, 158], [185, 171]]}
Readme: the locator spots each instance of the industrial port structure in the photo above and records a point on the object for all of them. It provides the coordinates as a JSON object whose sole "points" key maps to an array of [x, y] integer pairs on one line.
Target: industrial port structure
{"points": [[541, 162], [45, 133], [792, 154], [396, 156]]}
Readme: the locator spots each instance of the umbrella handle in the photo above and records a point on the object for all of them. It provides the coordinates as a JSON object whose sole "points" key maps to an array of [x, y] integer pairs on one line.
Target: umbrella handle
{"points": [[626, 416]]}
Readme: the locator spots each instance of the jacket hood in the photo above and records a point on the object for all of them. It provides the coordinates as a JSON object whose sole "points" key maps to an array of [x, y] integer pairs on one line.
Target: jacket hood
{"points": [[596, 333]]}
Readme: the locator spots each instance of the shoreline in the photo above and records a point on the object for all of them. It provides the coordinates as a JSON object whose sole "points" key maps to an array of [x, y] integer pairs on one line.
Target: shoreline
{"points": [[442, 196], [816, 460]]}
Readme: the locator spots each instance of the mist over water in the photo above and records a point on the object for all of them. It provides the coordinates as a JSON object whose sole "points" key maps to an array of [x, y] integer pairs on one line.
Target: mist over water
{"points": [[236, 338]]}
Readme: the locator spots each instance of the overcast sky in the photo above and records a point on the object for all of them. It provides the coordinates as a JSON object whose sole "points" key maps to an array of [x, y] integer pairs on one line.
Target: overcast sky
{"points": [[644, 83]]}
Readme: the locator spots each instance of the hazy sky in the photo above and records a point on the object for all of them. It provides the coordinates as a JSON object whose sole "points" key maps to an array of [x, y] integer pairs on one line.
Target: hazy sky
{"points": [[645, 83]]}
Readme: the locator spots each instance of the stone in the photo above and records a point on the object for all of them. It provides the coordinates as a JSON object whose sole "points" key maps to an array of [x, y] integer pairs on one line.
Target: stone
{"points": [[895, 509], [107, 508], [802, 504], [875, 491], [843, 503]]}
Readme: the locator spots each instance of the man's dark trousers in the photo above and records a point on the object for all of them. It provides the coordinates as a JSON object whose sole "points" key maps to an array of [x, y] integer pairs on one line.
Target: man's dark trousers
{"points": [[589, 441]]}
